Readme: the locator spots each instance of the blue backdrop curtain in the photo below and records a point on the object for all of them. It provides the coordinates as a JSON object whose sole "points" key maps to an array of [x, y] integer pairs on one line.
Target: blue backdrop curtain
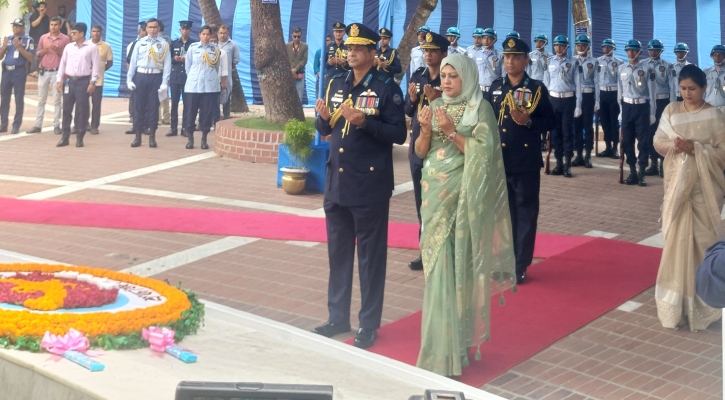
{"points": [[699, 23]]}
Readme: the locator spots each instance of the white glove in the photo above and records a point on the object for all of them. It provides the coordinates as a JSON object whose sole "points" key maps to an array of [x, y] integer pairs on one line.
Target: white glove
{"points": [[652, 119], [577, 112], [163, 88], [130, 85], [596, 106]]}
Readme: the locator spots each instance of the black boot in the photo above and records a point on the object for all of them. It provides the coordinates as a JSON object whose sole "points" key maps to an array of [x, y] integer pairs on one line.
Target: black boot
{"points": [[543, 144], [137, 141], [559, 169], [79, 139], [615, 151], [567, 167], [632, 179], [147, 131], [63, 140], [587, 159], [606, 152], [640, 177], [652, 170], [130, 132], [190, 143], [662, 167], [183, 132], [204, 146], [152, 139], [172, 132], [578, 160]]}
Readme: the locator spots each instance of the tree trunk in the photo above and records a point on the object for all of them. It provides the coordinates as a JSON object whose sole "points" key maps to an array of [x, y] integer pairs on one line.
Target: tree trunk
{"points": [[581, 18], [281, 102], [410, 37], [211, 15]]}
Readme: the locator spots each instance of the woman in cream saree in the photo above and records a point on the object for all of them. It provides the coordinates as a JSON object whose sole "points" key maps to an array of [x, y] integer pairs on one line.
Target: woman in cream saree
{"points": [[691, 137], [466, 241]]}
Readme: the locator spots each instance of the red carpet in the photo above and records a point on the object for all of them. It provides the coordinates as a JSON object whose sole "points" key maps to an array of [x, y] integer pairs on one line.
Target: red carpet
{"points": [[217, 222], [562, 294]]}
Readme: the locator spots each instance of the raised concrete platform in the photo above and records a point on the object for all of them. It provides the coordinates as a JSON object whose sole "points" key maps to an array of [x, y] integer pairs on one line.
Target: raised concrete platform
{"points": [[232, 346]]}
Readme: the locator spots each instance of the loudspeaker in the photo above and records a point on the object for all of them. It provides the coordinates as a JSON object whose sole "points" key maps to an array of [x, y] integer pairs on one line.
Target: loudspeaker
{"points": [[188, 390]]}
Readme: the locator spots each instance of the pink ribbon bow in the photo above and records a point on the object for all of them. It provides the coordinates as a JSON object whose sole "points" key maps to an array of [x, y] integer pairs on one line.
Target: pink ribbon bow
{"points": [[73, 340], [159, 338]]}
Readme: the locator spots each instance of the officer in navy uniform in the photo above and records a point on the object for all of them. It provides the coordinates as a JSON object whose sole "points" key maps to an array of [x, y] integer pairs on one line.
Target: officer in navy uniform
{"points": [[424, 87], [521, 105], [18, 50], [538, 63], [663, 95], [636, 86], [560, 78], [129, 50], [681, 51], [587, 91], [453, 34], [177, 79], [336, 53], [148, 75], [363, 115], [388, 59], [608, 99]]}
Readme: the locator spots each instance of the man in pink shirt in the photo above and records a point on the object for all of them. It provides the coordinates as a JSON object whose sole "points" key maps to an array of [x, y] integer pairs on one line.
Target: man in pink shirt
{"points": [[49, 50], [77, 76]]}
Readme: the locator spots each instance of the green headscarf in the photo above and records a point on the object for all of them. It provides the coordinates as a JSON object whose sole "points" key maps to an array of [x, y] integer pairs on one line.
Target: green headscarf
{"points": [[470, 89]]}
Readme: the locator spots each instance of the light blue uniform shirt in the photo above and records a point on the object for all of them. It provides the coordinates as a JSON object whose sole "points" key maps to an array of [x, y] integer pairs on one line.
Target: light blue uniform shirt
{"points": [[608, 71], [490, 67], [478, 55], [538, 63], [200, 76], [456, 50], [562, 75], [417, 59], [663, 78], [10, 56], [587, 78], [636, 82], [715, 94], [140, 58], [674, 80]]}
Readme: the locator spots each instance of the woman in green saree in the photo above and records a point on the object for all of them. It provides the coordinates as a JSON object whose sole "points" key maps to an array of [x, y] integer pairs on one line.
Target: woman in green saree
{"points": [[466, 241]]}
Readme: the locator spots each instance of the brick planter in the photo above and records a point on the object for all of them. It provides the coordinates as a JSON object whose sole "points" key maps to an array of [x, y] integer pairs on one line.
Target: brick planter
{"points": [[255, 145]]}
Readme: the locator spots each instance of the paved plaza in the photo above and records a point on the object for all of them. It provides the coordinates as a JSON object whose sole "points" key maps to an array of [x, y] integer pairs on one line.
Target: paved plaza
{"points": [[624, 354]]}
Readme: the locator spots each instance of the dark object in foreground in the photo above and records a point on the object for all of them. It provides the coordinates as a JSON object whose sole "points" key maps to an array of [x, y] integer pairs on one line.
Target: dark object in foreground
{"points": [[188, 390]]}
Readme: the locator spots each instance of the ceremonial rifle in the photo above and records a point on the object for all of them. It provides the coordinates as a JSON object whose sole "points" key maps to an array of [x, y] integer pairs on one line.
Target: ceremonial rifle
{"points": [[596, 134], [548, 152], [621, 157]]}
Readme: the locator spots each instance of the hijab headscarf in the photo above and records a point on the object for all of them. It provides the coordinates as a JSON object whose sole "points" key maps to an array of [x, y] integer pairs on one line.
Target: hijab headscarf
{"points": [[470, 89]]}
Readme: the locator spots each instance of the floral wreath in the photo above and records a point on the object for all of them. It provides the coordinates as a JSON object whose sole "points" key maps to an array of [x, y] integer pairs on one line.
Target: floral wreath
{"points": [[24, 329]]}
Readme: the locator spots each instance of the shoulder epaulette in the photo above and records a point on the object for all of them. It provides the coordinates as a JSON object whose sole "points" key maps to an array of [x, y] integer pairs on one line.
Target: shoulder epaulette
{"points": [[384, 78], [339, 74]]}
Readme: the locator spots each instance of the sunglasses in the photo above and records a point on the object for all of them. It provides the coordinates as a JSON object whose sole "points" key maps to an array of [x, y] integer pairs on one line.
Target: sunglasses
{"points": [[296, 36]]}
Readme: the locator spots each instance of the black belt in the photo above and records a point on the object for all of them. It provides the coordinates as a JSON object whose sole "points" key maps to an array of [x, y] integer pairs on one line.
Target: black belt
{"points": [[77, 78], [50, 69]]}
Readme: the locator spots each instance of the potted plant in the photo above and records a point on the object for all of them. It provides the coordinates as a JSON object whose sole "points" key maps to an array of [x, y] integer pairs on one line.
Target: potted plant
{"points": [[298, 136]]}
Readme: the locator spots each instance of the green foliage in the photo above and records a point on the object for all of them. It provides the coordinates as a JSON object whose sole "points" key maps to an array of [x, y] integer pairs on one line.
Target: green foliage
{"points": [[298, 138], [189, 324], [261, 123]]}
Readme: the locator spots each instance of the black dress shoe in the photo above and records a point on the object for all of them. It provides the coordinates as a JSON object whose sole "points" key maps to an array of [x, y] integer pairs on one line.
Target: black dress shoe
{"points": [[130, 132], [631, 179], [183, 133], [79, 142], [652, 170], [615, 154], [172, 132], [15, 131], [520, 277], [365, 338], [34, 129], [417, 264], [605, 153], [63, 142], [330, 329], [558, 170]]}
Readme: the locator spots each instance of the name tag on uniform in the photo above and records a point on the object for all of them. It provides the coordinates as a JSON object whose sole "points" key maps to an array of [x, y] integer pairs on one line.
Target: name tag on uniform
{"points": [[16, 54], [552, 67], [66, 90], [624, 75], [496, 93]]}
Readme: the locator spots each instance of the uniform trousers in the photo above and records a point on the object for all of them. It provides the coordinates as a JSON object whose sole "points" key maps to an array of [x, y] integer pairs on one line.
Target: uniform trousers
{"points": [[562, 136], [661, 104], [204, 105], [146, 101], [369, 225], [12, 82], [583, 130], [609, 116], [177, 92], [131, 105], [523, 192], [635, 125], [75, 95], [96, 99], [46, 86]]}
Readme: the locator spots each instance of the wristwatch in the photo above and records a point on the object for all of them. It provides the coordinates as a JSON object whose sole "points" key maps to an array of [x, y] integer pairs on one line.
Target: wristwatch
{"points": [[528, 124], [93, 83]]}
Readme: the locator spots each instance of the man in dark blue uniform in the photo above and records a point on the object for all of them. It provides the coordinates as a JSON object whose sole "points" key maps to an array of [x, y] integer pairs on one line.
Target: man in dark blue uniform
{"points": [[18, 50], [177, 80], [522, 107], [336, 54], [388, 59], [362, 112], [424, 87]]}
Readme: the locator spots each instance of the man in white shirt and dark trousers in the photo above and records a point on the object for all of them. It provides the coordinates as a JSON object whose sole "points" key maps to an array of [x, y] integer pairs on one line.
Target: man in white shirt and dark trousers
{"points": [[76, 78]]}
